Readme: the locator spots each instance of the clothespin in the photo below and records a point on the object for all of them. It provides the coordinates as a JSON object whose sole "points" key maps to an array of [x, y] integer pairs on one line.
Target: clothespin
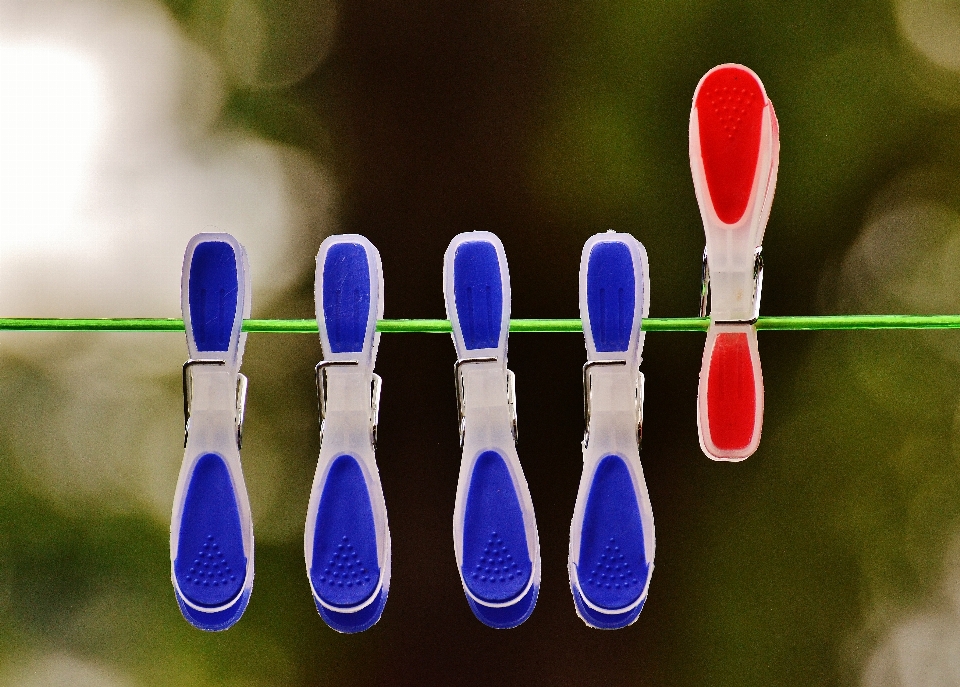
{"points": [[211, 531], [346, 541], [494, 528], [734, 151], [612, 538]]}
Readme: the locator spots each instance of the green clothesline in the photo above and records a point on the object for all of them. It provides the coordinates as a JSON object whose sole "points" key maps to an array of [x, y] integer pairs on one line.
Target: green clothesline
{"points": [[650, 324]]}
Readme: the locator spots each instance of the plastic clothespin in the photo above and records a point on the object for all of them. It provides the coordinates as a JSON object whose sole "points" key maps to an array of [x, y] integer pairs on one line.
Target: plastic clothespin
{"points": [[612, 537], [211, 531], [346, 541], [494, 528], [734, 152]]}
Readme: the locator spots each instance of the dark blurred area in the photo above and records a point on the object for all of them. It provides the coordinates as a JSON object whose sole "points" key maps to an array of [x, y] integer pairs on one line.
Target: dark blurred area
{"points": [[829, 557]]}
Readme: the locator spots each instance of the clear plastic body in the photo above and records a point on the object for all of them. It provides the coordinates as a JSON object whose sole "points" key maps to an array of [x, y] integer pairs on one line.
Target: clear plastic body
{"points": [[347, 431], [488, 427]]}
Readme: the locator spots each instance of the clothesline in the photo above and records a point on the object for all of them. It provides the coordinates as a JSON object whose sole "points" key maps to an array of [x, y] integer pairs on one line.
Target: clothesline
{"points": [[650, 324]]}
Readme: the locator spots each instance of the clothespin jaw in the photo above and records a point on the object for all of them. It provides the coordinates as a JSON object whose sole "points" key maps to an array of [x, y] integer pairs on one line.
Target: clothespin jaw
{"points": [[734, 154], [347, 538], [211, 530], [494, 529], [612, 535]]}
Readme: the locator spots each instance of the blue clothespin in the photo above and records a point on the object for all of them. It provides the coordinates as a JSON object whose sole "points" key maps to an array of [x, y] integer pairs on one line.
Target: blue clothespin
{"points": [[211, 531], [611, 537], [346, 541], [494, 528]]}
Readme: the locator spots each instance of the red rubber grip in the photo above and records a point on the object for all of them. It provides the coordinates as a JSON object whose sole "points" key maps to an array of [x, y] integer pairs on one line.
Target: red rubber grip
{"points": [[731, 393], [729, 113]]}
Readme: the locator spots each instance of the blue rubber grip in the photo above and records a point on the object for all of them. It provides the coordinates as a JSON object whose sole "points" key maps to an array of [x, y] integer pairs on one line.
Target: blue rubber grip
{"points": [[496, 563], [611, 296], [346, 297], [345, 570], [613, 567], [211, 565], [478, 293], [213, 295]]}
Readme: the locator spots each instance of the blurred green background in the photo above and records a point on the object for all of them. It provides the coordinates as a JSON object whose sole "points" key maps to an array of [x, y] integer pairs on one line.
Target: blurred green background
{"points": [[830, 557]]}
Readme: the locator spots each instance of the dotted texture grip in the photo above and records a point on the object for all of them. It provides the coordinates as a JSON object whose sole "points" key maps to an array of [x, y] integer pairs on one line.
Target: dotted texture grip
{"points": [[346, 297], [213, 295], [478, 292], [613, 566], [345, 570], [729, 113], [496, 563], [731, 393], [611, 295], [211, 565]]}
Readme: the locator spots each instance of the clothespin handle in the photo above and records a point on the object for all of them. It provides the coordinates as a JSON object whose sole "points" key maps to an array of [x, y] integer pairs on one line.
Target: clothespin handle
{"points": [[734, 155]]}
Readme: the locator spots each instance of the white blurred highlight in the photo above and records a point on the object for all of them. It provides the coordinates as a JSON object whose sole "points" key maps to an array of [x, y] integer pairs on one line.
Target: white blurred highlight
{"points": [[266, 43], [113, 153], [923, 650], [61, 670], [907, 259], [111, 160], [52, 104], [893, 255], [933, 27]]}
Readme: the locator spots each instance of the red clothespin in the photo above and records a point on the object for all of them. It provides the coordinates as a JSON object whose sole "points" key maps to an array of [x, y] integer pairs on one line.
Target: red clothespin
{"points": [[734, 151]]}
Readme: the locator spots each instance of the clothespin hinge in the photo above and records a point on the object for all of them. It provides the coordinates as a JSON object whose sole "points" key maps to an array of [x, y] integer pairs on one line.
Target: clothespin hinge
{"points": [[375, 387], [587, 412], [757, 287], [188, 397], [461, 395]]}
